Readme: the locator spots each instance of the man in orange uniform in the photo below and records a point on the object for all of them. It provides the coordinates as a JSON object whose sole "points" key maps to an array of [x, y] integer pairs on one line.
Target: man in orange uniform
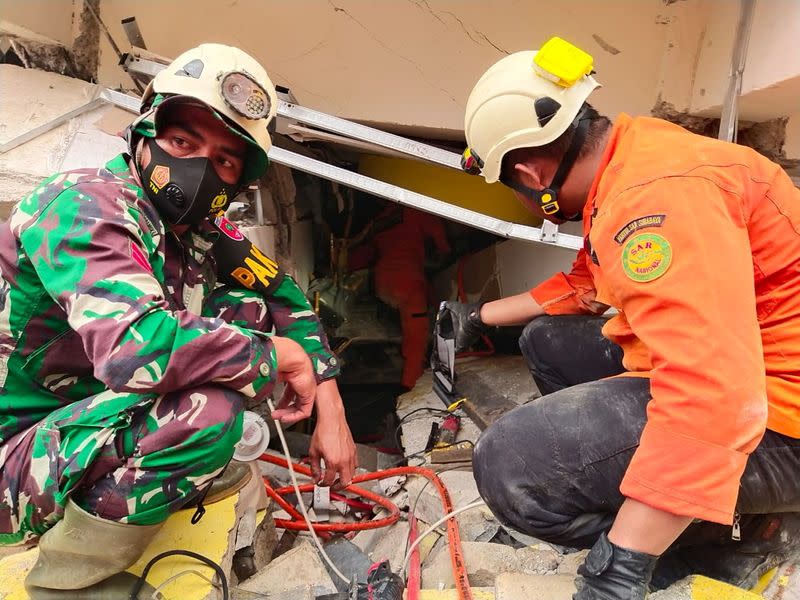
{"points": [[687, 407], [399, 239]]}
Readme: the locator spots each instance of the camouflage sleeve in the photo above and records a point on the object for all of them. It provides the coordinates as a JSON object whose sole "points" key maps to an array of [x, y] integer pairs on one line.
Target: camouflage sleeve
{"points": [[294, 318], [94, 259], [241, 263]]}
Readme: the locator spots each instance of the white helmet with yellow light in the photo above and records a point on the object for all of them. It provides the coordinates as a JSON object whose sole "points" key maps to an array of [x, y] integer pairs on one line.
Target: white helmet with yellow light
{"points": [[527, 99]]}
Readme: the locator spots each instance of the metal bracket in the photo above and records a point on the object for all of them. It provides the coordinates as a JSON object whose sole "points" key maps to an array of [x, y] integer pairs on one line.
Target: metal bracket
{"points": [[549, 232]]}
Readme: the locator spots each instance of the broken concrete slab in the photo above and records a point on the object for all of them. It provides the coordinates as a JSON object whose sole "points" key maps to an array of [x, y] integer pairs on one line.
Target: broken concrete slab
{"points": [[484, 561], [299, 569], [541, 559], [570, 562], [697, 587], [426, 501], [392, 545], [513, 586], [494, 386], [477, 525]]}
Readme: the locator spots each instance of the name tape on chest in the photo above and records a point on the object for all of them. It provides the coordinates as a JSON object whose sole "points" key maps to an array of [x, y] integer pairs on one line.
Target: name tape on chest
{"points": [[640, 223]]}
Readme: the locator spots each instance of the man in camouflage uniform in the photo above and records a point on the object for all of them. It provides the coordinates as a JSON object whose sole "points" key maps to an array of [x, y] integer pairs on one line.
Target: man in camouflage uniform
{"points": [[134, 325]]}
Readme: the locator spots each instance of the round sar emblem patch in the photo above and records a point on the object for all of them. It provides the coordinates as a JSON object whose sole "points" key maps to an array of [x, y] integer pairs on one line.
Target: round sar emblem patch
{"points": [[646, 257]]}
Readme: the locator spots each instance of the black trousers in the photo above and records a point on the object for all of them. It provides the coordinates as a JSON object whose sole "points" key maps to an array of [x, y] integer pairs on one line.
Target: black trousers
{"points": [[552, 468]]}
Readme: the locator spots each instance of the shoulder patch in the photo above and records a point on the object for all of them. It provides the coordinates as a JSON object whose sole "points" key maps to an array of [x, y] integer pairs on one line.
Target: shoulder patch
{"points": [[640, 223], [228, 228], [646, 257]]}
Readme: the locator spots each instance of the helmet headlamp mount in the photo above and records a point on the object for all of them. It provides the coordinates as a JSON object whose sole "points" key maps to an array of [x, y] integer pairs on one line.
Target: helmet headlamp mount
{"points": [[245, 95]]}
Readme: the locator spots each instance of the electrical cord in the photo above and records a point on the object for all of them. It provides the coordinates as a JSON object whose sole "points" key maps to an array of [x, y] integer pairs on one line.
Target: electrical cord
{"points": [[454, 537], [433, 527], [413, 507], [156, 592], [300, 502], [140, 581]]}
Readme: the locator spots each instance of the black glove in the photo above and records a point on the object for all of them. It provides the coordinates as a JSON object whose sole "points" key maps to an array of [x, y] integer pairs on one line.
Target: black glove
{"points": [[614, 573], [466, 322]]}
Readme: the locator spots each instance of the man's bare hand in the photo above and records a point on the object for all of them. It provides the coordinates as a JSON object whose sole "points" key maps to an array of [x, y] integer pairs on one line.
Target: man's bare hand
{"points": [[294, 368], [332, 441]]}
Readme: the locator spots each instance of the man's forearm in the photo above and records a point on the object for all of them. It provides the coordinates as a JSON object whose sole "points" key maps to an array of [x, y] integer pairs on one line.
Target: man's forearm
{"points": [[513, 310], [329, 402], [646, 529]]}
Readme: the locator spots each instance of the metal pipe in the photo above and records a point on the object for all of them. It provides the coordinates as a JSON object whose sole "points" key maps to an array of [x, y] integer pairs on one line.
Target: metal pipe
{"points": [[425, 203], [728, 123]]}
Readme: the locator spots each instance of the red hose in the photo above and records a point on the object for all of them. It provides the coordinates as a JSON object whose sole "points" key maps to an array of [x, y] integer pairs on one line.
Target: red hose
{"points": [[453, 535], [414, 582], [298, 523]]}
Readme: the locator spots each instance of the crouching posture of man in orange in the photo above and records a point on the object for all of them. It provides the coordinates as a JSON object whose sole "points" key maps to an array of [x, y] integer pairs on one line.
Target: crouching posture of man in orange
{"points": [[669, 443]]}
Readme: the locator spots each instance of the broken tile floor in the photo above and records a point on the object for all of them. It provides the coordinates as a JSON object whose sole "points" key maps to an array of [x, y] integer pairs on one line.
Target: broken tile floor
{"points": [[502, 564]]}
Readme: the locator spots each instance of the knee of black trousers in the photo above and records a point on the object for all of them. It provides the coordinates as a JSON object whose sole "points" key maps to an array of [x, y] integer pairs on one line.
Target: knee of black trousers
{"points": [[519, 491], [536, 343]]}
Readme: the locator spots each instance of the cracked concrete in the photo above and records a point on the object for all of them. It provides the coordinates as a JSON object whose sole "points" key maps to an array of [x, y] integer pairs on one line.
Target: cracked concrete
{"points": [[612, 50], [388, 48]]}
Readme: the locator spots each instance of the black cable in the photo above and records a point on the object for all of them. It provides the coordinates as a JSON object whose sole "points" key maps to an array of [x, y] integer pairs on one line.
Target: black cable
{"points": [[143, 577], [440, 411]]}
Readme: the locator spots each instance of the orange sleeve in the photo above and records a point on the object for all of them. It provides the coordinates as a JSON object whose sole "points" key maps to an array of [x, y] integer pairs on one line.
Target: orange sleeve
{"points": [[686, 288], [569, 293]]}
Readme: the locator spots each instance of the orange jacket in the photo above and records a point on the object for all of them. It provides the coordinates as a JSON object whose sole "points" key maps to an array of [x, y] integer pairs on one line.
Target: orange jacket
{"points": [[697, 243]]}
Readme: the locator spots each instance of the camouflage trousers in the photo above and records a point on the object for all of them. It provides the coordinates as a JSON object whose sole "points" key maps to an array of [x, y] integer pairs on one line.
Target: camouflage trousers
{"points": [[132, 458]]}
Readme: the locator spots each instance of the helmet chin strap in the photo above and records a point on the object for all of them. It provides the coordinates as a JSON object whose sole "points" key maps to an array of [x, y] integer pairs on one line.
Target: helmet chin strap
{"points": [[547, 198]]}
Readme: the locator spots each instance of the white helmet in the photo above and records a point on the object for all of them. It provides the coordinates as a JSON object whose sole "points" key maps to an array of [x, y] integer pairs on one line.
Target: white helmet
{"points": [[229, 81], [526, 99]]}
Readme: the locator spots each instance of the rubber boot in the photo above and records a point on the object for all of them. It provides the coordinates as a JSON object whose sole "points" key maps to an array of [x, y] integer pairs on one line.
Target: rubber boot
{"points": [[235, 476], [82, 550], [766, 541]]}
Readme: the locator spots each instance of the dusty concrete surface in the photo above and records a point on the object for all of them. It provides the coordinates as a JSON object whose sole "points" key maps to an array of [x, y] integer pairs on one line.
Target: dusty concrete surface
{"points": [[39, 98], [515, 586], [299, 570]]}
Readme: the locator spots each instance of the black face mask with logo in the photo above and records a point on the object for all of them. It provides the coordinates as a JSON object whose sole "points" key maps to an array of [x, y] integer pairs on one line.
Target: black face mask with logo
{"points": [[185, 191]]}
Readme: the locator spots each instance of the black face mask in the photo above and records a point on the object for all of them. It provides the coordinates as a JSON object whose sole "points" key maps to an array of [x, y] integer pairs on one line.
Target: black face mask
{"points": [[184, 190]]}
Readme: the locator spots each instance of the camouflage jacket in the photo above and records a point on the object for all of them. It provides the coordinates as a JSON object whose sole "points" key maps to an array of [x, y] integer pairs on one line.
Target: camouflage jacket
{"points": [[97, 294]]}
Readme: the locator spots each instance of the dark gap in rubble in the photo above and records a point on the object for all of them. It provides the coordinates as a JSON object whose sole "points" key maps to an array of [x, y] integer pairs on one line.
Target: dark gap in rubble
{"points": [[346, 236]]}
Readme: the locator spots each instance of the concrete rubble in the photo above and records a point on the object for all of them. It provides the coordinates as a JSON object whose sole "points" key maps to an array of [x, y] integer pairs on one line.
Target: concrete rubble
{"points": [[300, 570], [502, 564]]}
